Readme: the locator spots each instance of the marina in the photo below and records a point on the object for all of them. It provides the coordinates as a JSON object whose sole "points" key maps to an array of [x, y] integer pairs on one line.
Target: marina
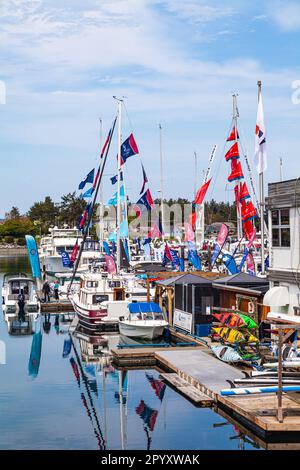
{"points": [[150, 231]]}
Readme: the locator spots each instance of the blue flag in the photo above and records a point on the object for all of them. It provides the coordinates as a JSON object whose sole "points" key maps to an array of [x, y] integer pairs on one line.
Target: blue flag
{"points": [[194, 259], [87, 194], [67, 263], [114, 200], [114, 179], [175, 258], [230, 263], [89, 179], [106, 248]]}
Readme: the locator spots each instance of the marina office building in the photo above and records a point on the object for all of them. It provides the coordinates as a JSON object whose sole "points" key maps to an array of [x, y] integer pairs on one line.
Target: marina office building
{"points": [[283, 204]]}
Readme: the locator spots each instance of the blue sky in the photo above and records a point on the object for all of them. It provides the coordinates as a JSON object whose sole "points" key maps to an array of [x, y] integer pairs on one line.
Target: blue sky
{"points": [[177, 62]]}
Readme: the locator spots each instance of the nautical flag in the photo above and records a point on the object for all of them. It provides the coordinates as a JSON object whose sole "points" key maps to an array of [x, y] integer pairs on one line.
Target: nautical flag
{"points": [[156, 230], [145, 180], [230, 263], [106, 142], [128, 148], [146, 201], [106, 248], [222, 236], [84, 215], [113, 201], [244, 192], [248, 229], [193, 257], [202, 192], [112, 237], [168, 254], [260, 157], [114, 179], [250, 264], [175, 258], [147, 414], [233, 152], [110, 263], [124, 229], [158, 386], [66, 259], [74, 252], [234, 135], [87, 194], [89, 179], [193, 219], [248, 211], [246, 252], [236, 171]]}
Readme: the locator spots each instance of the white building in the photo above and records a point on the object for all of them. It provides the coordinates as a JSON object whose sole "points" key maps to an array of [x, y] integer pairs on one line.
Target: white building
{"points": [[283, 203]]}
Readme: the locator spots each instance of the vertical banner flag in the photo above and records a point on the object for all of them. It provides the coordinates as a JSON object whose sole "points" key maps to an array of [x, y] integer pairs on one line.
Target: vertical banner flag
{"points": [[223, 234], [189, 234], [202, 192], [230, 263], [110, 263], [260, 157], [250, 264], [193, 256], [67, 263], [33, 255]]}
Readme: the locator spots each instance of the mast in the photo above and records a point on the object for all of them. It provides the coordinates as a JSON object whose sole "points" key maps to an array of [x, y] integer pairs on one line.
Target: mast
{"points": [[120, 104], [235, 115], [262, 204], [101, 237], [161, 182], [281, 168], [196, 173]]}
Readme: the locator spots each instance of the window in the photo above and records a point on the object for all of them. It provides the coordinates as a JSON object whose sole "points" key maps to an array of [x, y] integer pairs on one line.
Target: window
{"points": [[281, 228]]}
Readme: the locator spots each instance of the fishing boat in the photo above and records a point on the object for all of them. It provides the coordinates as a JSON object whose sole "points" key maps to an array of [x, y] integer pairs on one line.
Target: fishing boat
{"points": [[144, 320], [234, 336], [13, 285], [100, 300]]}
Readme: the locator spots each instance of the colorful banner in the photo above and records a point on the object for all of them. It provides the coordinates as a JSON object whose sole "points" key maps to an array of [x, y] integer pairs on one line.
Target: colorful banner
{"points": [[230, 263], [110, 263], [223, 234], [65, 258], [33, 256]]}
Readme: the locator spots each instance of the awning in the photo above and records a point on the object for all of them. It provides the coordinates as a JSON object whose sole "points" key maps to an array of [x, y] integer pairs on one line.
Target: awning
{"points": [[144, 307]]}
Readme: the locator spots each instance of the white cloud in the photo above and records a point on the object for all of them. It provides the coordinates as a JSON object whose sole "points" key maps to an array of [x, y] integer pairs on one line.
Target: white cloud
{"points": [[286, 15]]}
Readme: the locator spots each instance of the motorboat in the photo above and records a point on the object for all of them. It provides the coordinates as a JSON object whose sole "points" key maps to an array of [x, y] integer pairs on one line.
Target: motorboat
{"points": [[62, 240], [13, 286], [101, 298], [143, 320], [18, 325]]}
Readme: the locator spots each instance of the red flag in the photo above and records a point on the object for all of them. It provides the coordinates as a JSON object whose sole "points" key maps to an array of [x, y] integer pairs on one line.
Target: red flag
{"points": [[236, 171], [168, 253], [202, 192], [193, 220], [234, 135], [233, 152], [248, 211], [74, 252], [244, 192], [237, 196]]}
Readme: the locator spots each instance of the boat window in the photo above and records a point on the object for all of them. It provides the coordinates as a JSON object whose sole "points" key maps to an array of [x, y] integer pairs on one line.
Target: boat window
{"points": [[158, 316], [113, 284], [15, 287], [98, 298], [91, 283]]}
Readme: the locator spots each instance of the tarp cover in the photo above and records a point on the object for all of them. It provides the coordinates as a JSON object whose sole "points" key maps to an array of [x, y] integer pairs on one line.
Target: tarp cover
{"points": [[144, 307]]}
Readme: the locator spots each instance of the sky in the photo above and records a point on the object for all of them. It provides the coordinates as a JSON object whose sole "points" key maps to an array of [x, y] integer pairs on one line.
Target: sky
{"points": [[176, 62]]}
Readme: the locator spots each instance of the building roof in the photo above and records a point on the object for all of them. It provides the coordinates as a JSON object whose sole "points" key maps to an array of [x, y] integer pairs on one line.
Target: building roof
{"points": [[170, 281], [242, 280]]}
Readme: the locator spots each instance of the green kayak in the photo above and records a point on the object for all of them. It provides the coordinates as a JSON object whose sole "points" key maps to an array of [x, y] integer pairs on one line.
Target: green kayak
{"points": [[249, 322]]}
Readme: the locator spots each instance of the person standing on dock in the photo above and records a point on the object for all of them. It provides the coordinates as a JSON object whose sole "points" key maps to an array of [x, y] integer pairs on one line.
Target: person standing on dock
{"points": [[46, 289], [56, 287], [21, 303]]}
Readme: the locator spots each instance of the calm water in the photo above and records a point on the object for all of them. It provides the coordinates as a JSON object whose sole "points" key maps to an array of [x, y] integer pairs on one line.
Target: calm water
{"points": [[58, 410]]}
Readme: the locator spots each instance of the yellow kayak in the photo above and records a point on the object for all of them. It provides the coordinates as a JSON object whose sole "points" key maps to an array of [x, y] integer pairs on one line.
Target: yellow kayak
{"points": [[234, 336]]}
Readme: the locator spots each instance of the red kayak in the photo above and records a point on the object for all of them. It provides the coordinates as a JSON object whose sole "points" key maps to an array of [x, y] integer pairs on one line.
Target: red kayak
{"points": [[231, 320]]}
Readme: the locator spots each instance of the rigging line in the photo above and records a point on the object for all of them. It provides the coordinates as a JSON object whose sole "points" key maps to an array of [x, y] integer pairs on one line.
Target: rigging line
{"points": [[251, 178], [85, 232], [85, 380]]}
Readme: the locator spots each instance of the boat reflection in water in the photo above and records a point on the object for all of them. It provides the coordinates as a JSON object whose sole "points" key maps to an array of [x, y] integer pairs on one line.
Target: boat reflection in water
{"points": [[20, 324]]}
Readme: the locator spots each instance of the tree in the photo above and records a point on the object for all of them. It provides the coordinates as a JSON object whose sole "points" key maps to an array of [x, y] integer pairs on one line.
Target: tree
{"points": [[71, 209], [14, 213], [17, 228], [44, 211]]}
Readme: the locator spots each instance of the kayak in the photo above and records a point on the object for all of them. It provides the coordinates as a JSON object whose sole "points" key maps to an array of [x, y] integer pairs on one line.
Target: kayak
{"points": [[274, 365], [226, 354], [235, 320], [233, 336]]}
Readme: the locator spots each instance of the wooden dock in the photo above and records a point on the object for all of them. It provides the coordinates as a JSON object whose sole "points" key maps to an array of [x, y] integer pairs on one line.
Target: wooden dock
{"points": [[198, 367], [56, 306]]}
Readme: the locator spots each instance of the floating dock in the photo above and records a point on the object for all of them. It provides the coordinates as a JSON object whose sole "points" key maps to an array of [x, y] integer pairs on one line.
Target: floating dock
{"points": [[57, 306], [198, 367]]}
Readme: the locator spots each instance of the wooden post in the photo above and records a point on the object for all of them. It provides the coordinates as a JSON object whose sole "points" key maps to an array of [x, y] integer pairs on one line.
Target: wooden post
{"points": [[170, 305], [279, 393]]}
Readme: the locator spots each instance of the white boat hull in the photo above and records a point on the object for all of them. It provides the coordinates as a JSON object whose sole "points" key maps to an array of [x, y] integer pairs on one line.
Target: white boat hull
{"points": [[142, 329]]}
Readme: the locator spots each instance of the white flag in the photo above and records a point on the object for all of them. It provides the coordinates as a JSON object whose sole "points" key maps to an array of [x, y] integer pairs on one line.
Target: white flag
{"points": [[260, 157]]}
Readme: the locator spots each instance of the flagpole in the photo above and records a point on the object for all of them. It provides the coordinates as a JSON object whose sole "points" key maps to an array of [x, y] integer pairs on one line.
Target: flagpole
{"points": [[262, 205], [196, 173], [101, 193], [235, 115], [120, 103], [161, 183]]}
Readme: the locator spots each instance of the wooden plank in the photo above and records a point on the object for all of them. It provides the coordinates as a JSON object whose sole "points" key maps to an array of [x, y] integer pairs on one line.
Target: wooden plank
{"points": [[186, 389]]}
